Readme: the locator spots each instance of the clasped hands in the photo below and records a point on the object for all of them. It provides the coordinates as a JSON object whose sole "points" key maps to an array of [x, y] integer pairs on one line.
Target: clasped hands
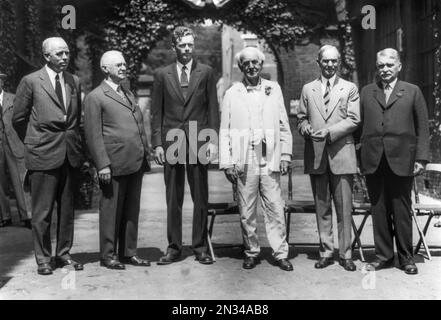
{"points": [[160, 154], [319, 135]]}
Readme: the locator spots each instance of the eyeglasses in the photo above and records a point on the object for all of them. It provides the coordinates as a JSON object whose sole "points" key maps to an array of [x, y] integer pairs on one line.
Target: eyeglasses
{"points": [[248, 63]]}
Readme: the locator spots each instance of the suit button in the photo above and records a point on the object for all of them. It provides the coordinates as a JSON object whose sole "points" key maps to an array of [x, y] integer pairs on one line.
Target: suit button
{"points": [[382, 124]]}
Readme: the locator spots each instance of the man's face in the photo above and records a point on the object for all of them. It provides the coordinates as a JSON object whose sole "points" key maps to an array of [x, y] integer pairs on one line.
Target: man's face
{"points": [[251, 66], [388, 68], [58, 55], [329, 63], [116, 68], [184, 49]]}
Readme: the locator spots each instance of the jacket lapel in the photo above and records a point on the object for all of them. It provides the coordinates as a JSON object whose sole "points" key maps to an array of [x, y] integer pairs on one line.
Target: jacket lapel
{"points": [[318, 97], [379, 95], [47, 86], [69, 85], [8, 101], [335, 96], [173, 77], [395, 94], [108, 91], [195, 77]]}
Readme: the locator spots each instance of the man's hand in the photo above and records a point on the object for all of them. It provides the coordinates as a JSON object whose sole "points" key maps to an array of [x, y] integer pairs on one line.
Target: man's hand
{"points": [[232, 174], [105, 175], [159, 155], [284, 166], [306, 131], [211, 152], [418, 168], [320, 135]]}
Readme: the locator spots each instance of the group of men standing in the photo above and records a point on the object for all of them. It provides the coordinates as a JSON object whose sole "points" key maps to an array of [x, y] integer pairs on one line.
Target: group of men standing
{"points": [[255, 148]]}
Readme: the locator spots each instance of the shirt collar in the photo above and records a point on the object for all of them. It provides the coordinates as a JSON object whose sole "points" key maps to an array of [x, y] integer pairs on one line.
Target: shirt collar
{"points": [[52, 73], [331, 80], [188, 65], [392, 84], [249, 87], [112, 84]]}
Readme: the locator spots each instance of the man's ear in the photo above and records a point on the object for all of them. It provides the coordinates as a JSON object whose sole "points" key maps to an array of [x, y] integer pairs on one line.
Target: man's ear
{"points": [[240, 66], [46, 56]]}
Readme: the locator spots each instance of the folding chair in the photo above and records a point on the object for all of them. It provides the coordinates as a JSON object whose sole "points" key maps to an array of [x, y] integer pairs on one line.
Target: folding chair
{"points": [[426, 209]]}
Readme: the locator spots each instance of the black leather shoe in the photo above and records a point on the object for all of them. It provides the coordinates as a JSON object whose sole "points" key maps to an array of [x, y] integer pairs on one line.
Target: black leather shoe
{"points": [[379, 264], [348, 264], [112, 264], [250, 262], [204, 258], [6, 223], [27, 224], [61, 263], [44, 269], [167, 259], [285, 265], [323, 263], [136, 261], [410, 268]]}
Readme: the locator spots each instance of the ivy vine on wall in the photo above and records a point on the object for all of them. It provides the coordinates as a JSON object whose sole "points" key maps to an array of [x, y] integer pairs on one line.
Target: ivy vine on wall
{"points": [[8, 60]]}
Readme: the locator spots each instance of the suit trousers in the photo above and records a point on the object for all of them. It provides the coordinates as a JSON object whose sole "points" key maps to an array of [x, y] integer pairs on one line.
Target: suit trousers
{"points": [[5, 210], [119, 214], [257, 181], [325, 188], [390, 196], [174, 177], [48, 187]]}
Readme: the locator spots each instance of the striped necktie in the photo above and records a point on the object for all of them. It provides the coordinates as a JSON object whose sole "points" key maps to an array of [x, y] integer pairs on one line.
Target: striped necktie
{"points": [[326, 96]]}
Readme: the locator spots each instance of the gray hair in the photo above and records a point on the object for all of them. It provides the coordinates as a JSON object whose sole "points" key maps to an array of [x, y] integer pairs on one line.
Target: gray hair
{"points": [[108, 55], [46, 45], [389, 52], [327, 47], [241, 53]]}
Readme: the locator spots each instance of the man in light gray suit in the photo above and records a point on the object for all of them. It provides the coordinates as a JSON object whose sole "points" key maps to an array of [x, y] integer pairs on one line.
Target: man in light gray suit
{"points": [[328, 114]]}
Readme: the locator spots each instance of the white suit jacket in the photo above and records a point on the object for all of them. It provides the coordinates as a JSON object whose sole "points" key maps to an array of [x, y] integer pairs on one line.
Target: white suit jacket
{"points": [[342, 119], [235, 126]]}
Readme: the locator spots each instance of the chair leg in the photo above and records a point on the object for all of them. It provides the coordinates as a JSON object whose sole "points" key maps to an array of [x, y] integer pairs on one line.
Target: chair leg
{"points": [[360, 230], [210, 228], [421, 234], [357, 239], [210, 247], [426, 227]]}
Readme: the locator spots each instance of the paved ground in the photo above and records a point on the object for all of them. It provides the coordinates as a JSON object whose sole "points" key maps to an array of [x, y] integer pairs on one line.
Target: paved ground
{"points": [[225, 279]]}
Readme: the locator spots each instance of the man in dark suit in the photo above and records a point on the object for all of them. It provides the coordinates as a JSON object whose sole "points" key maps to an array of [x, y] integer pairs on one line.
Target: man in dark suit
{"points": [[115, 136], [12, 158], [394, 148], [184, 101], [47, 111]]}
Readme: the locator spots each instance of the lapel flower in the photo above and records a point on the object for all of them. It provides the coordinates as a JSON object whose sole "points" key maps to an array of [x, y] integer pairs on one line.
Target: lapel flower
{"points": [[399, 94], [268, 90]]}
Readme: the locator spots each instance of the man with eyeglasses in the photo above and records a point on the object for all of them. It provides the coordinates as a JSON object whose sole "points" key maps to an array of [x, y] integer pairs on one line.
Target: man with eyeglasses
{"points": [[115, 136], [328, 114]]}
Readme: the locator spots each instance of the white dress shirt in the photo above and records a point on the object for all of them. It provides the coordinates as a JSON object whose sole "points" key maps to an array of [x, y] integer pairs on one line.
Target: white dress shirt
{"points": [[52, 75], [179, 69], [387, 92], [1, 98], [324, 81]]}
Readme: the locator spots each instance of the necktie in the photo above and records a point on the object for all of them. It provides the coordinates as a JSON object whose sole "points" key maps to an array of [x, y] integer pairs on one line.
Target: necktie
{"points": [[326, 96], [387, 91], [58, 90], [121, 93], [184, 81]]}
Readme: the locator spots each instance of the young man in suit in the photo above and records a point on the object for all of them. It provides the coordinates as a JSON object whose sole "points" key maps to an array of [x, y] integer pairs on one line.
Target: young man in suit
{"points": [[47, 111], [184, 101], [329, 113], [394, 148], [115, 136], [12, 158]]}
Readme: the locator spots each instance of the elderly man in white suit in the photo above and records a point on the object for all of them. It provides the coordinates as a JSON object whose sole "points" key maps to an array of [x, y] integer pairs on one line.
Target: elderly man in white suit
{"points": [[329, 112], [255, 147]]}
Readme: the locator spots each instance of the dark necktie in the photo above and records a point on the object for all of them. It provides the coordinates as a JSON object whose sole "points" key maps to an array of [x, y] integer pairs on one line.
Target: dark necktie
{"points": [[326, 96], [121, 93], [387, 91], [184, 81], [58, 90]]}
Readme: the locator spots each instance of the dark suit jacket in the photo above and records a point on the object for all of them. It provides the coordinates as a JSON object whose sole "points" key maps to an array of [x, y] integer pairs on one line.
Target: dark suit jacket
{"points": [[399, 129], [170, 110], [38, 118], [114, 131], [11, 136]]}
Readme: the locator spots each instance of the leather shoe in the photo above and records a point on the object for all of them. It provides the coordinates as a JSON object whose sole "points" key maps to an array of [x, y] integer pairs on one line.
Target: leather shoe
{"points": [[136, 261], [285, 265], [379, 264], [44, 269], [204, 258], [323, 263], [61, 263], [410, 268], [167, 259], [112, 264], [250, 262], [348, 264]]}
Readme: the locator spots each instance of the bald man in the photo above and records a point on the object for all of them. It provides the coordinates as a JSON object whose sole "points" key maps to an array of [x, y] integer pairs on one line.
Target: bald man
{"points": [[329, 113], [394, 148], [115, 136], [47, 110]]}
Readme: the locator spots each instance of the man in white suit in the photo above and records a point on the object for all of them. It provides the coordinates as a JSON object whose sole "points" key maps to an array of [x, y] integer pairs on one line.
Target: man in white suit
{"points": [[255, 147], [329, 112]]}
